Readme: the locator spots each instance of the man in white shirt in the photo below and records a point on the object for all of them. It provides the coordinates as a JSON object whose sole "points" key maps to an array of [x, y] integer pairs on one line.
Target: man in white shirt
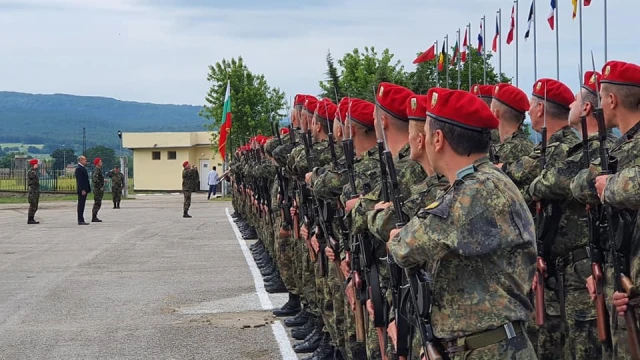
{"points": [[213, 182]]}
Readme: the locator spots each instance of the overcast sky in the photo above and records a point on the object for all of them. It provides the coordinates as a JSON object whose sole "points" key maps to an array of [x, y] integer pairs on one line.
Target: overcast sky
{"points": [[158, 50]]}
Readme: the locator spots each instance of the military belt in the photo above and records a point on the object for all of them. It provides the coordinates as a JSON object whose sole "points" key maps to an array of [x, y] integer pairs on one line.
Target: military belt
{"points": [[485, 338], [573, 257]]}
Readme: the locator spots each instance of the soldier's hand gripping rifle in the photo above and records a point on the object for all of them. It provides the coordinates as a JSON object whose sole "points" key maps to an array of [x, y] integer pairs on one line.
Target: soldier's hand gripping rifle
{"points": [[352, 247], [620, 243], [596, 248]]}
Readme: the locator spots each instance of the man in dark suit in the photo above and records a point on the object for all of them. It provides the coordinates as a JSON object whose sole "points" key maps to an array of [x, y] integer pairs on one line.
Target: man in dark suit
{"points": [[83, 187]]}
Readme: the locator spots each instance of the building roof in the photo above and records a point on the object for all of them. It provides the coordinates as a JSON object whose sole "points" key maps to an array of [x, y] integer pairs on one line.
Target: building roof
{"points": [[158, 140]]}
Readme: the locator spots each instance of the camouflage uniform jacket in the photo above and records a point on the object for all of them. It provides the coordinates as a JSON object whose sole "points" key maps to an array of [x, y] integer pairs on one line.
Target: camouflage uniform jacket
{"points": [[33, 181], [381, 222], [481, 228], [97, 179], [187, 179], [514, 147], [525, 170], [117, 182]]}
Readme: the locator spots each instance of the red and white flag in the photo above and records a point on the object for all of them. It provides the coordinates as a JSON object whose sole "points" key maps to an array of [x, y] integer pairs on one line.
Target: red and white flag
{"points": [[513, 25]]}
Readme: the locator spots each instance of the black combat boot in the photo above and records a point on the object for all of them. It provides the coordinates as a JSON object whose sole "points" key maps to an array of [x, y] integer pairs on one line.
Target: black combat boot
{"points": [[290, 308], [95, 218], [186, 215], [311, 342], [300, 319], [272, 277], [118, 204], [325, 351], [115, 205], [301, 332], [31, 221], [275, 287]]}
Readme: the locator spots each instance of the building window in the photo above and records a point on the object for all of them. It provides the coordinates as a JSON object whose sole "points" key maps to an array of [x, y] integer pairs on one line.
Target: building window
{"points": [[171, 155], [155, 155]]}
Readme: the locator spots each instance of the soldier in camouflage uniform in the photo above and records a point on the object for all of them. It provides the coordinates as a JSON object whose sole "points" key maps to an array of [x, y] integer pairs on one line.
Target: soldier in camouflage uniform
{"points": [[552, 113], [382, 219], [620, 93], [480, 227], [97, 183], [567, 254], [187, 187], [33, 182], [117, 184], [510, 105], [391, 118]]}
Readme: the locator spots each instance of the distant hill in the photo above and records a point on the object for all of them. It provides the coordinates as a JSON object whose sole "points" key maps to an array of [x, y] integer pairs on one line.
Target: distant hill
{"points": [[57, 119]]}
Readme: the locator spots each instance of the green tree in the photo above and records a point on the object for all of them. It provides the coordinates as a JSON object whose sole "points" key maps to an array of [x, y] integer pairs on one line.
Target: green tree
{"points": [[253, 102], [62, 157], [361, 73], [107, 155]]}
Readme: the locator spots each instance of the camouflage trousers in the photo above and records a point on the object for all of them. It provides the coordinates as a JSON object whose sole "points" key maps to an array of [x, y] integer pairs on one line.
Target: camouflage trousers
{"points": [[34, 199], [285, 261], [186, 204], [309, 282], [116, 193], [335, 314], [97, 201]]}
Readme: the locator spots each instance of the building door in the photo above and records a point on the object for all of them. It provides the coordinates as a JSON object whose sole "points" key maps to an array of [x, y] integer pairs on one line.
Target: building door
{"points": [[204, 174]]}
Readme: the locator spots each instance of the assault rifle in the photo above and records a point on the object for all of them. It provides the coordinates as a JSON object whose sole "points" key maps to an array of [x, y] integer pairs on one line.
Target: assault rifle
{"points": [[595, 242], [352, 249]]}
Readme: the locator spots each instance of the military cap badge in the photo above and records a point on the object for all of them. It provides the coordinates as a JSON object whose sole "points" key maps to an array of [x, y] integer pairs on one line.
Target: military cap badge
{"points": [[538, 85], [414, 104], [434, 99], [496, 90], [381, 91], [593, 79], [607, 70]]}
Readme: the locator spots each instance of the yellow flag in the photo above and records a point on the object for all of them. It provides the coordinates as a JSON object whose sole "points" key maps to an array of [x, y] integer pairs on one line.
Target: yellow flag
{"points": [[575, 8]]}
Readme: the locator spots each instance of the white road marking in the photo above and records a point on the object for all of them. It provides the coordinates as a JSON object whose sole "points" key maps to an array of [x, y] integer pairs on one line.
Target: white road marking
{"points": [[277, 328]]}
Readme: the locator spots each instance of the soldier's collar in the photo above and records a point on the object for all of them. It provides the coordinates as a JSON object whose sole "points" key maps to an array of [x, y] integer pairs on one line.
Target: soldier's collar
{"points": [[467, 170]]}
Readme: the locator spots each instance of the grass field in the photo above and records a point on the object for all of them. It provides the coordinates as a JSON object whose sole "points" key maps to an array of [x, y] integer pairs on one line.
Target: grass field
{"points": [[17, 198], [64, 184]]}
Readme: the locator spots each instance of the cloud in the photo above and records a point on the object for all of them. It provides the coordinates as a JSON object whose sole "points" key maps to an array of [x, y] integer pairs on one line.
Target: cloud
{"points": [[158, 50]]}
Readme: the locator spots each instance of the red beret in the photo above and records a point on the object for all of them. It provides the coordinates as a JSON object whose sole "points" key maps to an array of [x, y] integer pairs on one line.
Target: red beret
{"points": [[343, 107], [299, 99], [284, 131], [326, 109], [310, 103], [591, 80], [392, 98], [186, 162], [512, 97], [482, 90], [460, 108], [96, 161], [33, 161], [361, 111], [557, 92], [417, 107], [621, 73]]}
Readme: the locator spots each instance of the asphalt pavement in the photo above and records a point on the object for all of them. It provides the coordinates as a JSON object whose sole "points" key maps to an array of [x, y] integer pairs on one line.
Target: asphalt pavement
{"points": [[143, 284]]}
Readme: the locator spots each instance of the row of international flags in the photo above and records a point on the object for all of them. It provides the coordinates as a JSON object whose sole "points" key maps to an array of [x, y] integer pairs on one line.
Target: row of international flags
{"points": [[430, 54]]}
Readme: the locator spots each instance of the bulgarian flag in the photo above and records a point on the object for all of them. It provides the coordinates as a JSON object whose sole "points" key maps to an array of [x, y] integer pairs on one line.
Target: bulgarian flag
{"points": [[226, 126], [456, 51]]}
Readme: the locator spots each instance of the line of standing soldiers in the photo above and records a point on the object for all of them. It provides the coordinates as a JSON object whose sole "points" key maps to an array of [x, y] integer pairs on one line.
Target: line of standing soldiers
{"points": [[386, 254]]}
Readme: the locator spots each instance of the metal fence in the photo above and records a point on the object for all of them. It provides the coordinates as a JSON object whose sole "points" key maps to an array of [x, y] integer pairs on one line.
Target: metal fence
{"points": [[58, 181]]}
